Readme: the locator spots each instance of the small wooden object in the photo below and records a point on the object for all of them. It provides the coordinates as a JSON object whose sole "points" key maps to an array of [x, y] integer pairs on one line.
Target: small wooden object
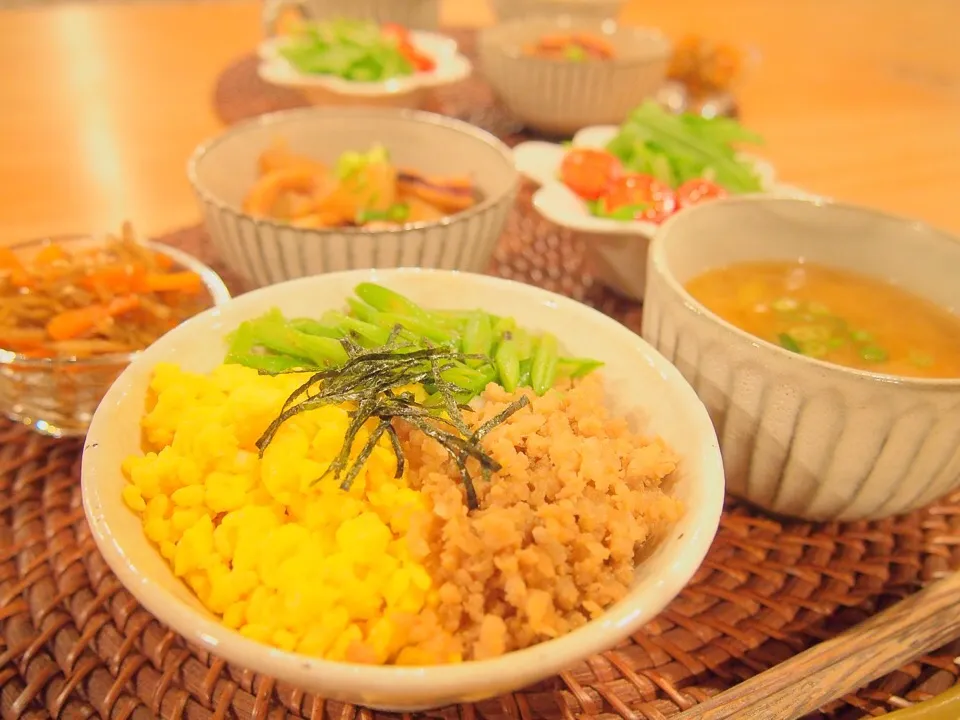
{"points": [[845, 663]]}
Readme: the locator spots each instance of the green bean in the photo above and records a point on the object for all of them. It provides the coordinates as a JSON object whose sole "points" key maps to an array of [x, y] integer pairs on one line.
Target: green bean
{"points": [[272, 331], [268, 363], [347, 325], [314, 327], [525, 366], [388, 301], [469, 379], [418, 326], [543, 373], [524, 342], [508, 364], [361, 310], [504, 325], [477, 335], [577, 367]]}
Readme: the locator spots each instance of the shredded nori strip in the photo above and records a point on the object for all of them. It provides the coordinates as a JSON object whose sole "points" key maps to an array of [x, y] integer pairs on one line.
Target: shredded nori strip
{"points": [[368, 379]]}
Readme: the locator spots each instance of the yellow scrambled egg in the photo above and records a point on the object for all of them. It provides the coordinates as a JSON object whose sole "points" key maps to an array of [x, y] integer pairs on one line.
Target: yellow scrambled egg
{"points": [[283, 558]]}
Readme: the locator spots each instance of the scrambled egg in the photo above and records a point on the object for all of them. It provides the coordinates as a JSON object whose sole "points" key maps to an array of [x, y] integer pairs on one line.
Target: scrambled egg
{"points": [[280, 556]]}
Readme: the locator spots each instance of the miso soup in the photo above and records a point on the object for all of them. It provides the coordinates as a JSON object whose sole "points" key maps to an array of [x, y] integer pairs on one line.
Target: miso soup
{"points": [[835, 315]]}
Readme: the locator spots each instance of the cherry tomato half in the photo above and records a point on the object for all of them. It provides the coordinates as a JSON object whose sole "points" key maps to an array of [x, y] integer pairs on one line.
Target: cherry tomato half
{"points": [[401, 36], [698, 190], [588, 172], [638, 197]]}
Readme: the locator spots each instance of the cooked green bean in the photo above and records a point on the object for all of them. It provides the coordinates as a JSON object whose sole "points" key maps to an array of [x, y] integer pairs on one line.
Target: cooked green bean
{"points": [[362, 311], [419, 326], [314, 327], [347, 325], [388, 301], [508, 364], [543, 373], [577, 367], [477, 335], [525, 366]]}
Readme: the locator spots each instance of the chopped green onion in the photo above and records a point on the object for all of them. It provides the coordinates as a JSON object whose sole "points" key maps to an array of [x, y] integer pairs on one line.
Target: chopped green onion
{"points": [[784, 305], [872, 353], [920, 359], [789, 343], [861, 336]]}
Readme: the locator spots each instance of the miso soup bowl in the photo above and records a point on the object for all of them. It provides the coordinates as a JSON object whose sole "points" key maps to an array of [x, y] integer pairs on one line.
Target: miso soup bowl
{"points": [[801, 437]]}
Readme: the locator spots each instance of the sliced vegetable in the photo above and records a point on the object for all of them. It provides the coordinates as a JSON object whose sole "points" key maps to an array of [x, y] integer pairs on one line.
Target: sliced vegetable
{"points": [[637, 197], [589, 172], [698, 190]]}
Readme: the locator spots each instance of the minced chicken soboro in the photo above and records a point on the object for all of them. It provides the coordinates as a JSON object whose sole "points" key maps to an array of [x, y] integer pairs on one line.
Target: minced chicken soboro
{"points": [[395, 571], [558, 531]]}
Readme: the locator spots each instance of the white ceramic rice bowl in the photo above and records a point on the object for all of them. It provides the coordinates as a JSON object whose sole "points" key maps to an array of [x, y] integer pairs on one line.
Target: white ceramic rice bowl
{"points": [[644, 382]]}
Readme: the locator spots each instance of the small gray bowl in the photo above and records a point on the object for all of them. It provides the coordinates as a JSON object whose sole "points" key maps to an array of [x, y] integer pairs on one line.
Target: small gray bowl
{"points": [[560, 97]]}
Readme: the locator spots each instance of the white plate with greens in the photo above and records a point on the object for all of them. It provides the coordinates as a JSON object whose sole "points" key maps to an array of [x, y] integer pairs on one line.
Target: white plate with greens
{"points": [[351, 59], [680, 160]]}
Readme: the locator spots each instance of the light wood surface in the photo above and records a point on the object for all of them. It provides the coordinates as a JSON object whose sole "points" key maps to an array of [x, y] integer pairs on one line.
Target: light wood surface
{"points": [[102, 103]]}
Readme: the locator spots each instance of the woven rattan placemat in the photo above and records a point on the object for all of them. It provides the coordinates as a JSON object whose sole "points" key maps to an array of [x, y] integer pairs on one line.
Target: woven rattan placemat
{"points": [[74, 643]]}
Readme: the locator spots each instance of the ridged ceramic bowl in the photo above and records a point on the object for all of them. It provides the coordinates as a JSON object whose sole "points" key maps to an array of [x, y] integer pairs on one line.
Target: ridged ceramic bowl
{"points": [[559, 97], [264, 251], [799, 436], [641, 384], [413, 14], [596, 9]]}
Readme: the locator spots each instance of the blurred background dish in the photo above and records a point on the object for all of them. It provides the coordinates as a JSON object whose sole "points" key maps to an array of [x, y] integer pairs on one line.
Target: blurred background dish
{"points": [[614, 184], [506, 10], [74, 312], [268, 241], [561, 96], [851, 410], [348, 62], [415, 14]]}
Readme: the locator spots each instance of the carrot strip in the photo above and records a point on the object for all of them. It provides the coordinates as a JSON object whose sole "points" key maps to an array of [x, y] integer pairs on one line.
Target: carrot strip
{"points": [[9, 260], [163, 262], [49, 255], [185, 281], [117, 279], [73, 323]]}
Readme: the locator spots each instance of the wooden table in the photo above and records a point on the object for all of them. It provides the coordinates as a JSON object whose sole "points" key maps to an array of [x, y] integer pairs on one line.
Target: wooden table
{"points": [[102, 103]]}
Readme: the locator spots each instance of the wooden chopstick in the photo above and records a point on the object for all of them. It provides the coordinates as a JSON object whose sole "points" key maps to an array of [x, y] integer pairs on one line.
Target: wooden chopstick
{"points": [[920, 623]]}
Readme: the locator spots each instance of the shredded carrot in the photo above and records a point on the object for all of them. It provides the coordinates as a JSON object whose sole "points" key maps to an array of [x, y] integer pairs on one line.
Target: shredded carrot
{"points": [[127, 278], [184, 281], [9, 260], [74, 323], [50, 254], [163, 262], [22, 340]]}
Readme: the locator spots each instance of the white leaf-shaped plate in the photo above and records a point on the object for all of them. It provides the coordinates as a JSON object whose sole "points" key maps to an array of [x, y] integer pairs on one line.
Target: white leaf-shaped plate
{"points": [[540, 161], [451, 67]]}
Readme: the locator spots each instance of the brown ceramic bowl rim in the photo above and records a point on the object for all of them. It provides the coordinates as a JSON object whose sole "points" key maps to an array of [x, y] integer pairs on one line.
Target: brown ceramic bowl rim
{"points": [[213, 283], [279, 117], [659, 264], [659, 50]]}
